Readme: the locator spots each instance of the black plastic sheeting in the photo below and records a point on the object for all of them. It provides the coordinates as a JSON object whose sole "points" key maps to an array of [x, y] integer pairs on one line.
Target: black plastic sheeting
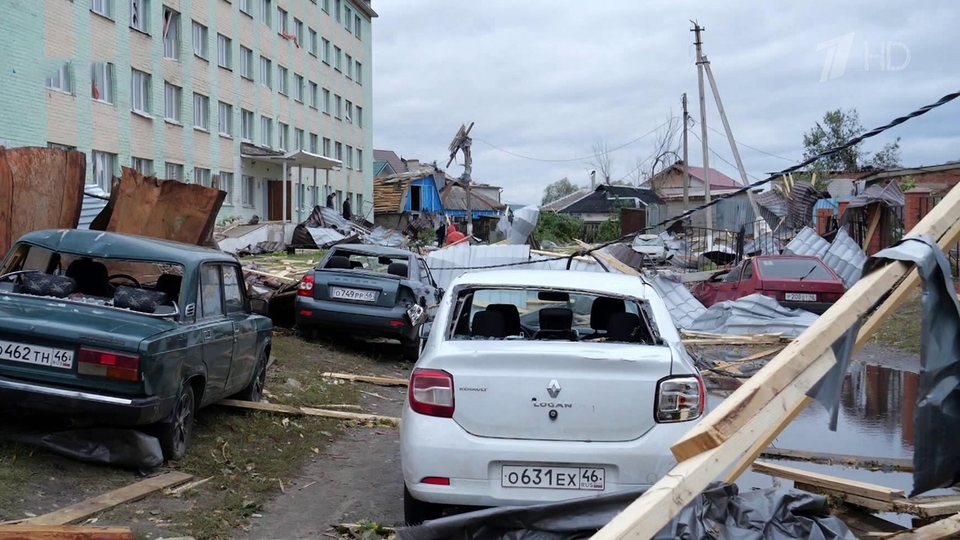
{"points": [[720, 512], [126, 448]]}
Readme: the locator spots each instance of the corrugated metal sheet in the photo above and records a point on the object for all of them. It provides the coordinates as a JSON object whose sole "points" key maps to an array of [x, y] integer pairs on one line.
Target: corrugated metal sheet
{"points": [[449, 263], [845, 258], [91, 205], [765, 244], [807, 242], [888, 195], [754, 314], [683, 307]]}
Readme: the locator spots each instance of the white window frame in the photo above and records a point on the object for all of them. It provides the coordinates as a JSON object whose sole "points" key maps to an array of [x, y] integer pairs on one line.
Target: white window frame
{"points": [[326, 50], [347, 19], [266, 72], [140, 15], [173, 171], [266, 132], [283, 74], [62, 81], [225, 119], [102, 7], [358, 73], [106, 73], [142, 165], [326, 101], [337, 107], [226, 184], [246, 63], [357, 25], [266, 13], [314, 95], [283, 132], [337, 10], [348, 111], [359, 166], [314, 44], [171, 34], [104, 168], [246, 124], [298, 87], [282, 18], [349, 62], [326, 6], [201, 112], [247, 188], [224, 52], [358, 116], [314, 143], [201, 45], [140, 92], [299, 139], [298, 30], [348, 157], [201, 177], [245, 7], [172, 103], [337, 58], [338, 151], [326, 147]]}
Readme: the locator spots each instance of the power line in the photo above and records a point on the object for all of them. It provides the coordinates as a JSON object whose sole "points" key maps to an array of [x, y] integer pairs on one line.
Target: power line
{"points": [[718, 156], [724, 135], [621, 147]]}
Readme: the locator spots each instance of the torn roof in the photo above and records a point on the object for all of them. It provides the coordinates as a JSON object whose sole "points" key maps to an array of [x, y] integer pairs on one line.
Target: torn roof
{"points": [[888, 195], [454, 198], [396, 163], [566, 200], [388, 191]]}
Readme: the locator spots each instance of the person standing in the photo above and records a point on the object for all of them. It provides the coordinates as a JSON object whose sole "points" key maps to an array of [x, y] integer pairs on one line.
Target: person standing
{"points": [[330, 201], [346, 209]]}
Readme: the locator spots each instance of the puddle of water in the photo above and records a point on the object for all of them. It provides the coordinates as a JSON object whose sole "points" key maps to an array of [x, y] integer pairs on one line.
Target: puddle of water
{"points": [[875, 420]]}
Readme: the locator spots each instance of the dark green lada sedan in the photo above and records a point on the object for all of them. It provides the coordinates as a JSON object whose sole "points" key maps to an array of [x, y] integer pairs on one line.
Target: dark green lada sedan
{"points": [[127, 330]]}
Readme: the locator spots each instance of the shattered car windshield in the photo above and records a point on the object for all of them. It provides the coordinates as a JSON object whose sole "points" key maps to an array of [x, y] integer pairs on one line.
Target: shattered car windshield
{"points": [[349, 260], [775, 268], [548, 314], [151, 288]]}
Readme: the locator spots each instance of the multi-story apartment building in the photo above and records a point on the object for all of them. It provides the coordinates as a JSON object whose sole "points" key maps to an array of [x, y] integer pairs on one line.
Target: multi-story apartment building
{"points": [[192, 89]]}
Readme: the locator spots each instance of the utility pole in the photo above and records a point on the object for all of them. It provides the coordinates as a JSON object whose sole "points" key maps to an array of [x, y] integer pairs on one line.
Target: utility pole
{"points": [[686, 171], [703, 133], [462, 141]]}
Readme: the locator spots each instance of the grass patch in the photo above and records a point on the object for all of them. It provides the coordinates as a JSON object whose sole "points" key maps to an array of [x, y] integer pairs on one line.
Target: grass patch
{"points": [[902, 328]]}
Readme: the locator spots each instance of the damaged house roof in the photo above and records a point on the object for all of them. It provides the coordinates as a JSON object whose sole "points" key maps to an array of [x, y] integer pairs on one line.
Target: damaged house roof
{"points": [[455, 201], [601, 201], [391, 158], [389, 192]]}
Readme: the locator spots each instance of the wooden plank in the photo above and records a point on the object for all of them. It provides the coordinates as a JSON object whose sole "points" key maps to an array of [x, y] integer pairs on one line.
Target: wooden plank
{"points": [[865, 525], [50, 532], [860, 462], [921, 507], [383, 381], [853, 487], [878, 211], [945, 528], [94, 505], [309, 411]]}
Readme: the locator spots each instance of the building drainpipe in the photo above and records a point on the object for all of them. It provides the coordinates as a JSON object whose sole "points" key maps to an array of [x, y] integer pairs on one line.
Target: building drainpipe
{"points": [[283, 198]]}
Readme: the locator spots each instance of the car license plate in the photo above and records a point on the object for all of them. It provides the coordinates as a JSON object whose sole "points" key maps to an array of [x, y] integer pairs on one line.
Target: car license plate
{"points": [[32, 354], [576, 478], [800, 297], [357, 295]]}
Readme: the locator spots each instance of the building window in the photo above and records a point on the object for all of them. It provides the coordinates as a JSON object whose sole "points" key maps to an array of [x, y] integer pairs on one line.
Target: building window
{"points": [[139, 13], [358, 119], [314, 95], [326, 147], [201, 177], [338, 152], [102, 78], [201, 112], [326, 101], [298, 87], [102, 7], [349, 66], [359, 166], [171, 34], [314, 143], [358, 73], [225, 119], [282, 21], [337, 59], [337, 10], [226, 184], [282, 77], [140, 91], [266, 131], [298, 31], [104, 166], [326, 6], [357, 25], [298, 139], [224, 49], [200, 47], [312, 45], [347, 18], [265, 72], [173, 171], [348, 157], [359, 208], [62, 80], [60, 146], [246, 191], [246, 63], [246, 125], [245, 6], [265, 12], [337, 107], [142, 166], [326, 51], [283, 144], [172, 100], [348, 112]]}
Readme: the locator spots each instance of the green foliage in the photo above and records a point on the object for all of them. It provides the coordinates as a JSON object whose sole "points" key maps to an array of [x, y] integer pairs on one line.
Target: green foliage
{"points": [[836, 128], [427, 236], [558, 190], [558, 228], [907, 183], [611, 229]]}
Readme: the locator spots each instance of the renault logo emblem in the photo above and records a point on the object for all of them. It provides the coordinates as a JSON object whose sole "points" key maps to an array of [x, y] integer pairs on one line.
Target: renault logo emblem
{"points": [[553, 388]]}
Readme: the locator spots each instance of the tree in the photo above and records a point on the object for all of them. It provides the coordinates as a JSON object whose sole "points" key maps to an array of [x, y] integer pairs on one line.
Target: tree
{"points": [[602, 161], [838, 127], [558, 228], [666, 148], [558, 190]]}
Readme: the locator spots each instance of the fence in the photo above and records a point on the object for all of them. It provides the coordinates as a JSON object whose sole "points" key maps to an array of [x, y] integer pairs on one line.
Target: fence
{"points": [[953, 255]]}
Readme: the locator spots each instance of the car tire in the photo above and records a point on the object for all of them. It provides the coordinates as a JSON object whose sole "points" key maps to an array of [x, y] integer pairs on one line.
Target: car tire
{"points": [[306, 333], [411, 350], [175, 433], [254, 390], [416, 512]]}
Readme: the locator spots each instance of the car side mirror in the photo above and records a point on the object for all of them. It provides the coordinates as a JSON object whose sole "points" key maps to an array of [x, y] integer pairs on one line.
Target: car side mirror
{"points": [[425, 330], [260, 306]]}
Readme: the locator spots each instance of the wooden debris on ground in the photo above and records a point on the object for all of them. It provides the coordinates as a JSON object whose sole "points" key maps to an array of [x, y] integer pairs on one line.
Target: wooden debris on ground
{"points": [[176, 492], [707, 338], [61, 532], [309, 411], [365, 530], [859, 462], [940, 530], [382, 381]]}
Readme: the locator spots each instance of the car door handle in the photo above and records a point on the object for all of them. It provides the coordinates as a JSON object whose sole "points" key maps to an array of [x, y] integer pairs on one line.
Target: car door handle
{"points": [[206, 334]]}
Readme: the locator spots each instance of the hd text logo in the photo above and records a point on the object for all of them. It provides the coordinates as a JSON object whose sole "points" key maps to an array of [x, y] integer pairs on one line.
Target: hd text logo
{"points": [[877, 56]]}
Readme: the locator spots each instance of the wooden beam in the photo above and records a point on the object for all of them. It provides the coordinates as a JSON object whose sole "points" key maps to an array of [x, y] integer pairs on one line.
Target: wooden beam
{"points": [[862, 489], [92, 506], [52, 532], [860, 462], [873, 227], [382, 381], [945, 528], [308, 411]]}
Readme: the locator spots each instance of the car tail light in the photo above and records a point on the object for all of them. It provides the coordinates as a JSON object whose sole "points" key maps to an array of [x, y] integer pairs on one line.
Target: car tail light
{"points": [[111, 365], [830, 297], [305, 288], [435, 481], [431, 393], [680, 399]]}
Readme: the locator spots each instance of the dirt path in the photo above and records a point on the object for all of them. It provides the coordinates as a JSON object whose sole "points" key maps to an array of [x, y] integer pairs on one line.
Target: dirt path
{"points": [[357, 478]]}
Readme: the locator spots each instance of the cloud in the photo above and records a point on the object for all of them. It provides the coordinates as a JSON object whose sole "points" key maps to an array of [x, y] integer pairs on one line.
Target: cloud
{"points": [[546, 79]]}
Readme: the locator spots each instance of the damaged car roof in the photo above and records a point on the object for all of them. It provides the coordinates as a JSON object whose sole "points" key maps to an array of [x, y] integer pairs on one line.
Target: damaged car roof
{"points": [[560, 279], [121, 246], [370, 249]]}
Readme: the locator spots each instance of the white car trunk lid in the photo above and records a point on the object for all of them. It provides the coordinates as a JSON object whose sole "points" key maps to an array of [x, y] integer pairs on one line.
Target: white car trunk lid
{"points": [[555, 391]]}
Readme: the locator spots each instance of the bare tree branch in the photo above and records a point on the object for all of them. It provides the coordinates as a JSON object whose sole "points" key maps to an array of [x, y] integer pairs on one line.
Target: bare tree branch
{"points": [[602, 161], [665, 152]]}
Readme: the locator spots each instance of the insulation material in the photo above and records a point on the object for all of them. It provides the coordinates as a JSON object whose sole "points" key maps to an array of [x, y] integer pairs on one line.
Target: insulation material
{"points": [[845, 258], [524, 222], [382, 236], [720, 512], [684, 308], [753, 314], [807, 242]]}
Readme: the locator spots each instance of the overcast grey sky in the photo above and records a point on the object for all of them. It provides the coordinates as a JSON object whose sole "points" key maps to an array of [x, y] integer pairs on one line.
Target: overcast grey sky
{"points": [[548, 78]]}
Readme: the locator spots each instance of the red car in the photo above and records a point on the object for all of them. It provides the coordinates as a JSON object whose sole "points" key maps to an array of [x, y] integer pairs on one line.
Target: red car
{"points": [[796, 281]]}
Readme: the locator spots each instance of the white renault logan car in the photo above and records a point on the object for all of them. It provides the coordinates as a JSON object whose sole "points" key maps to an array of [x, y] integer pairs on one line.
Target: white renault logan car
{"points": [[537, 386]]}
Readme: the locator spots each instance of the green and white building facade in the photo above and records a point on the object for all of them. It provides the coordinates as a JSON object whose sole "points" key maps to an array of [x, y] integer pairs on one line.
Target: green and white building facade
{"points": [[193, 89]]}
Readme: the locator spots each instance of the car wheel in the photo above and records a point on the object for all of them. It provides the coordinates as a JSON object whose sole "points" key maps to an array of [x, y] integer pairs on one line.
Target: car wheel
{"points": [[254, 390], [412, 350], [306, 333], [175, 433], [416, 512]]}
